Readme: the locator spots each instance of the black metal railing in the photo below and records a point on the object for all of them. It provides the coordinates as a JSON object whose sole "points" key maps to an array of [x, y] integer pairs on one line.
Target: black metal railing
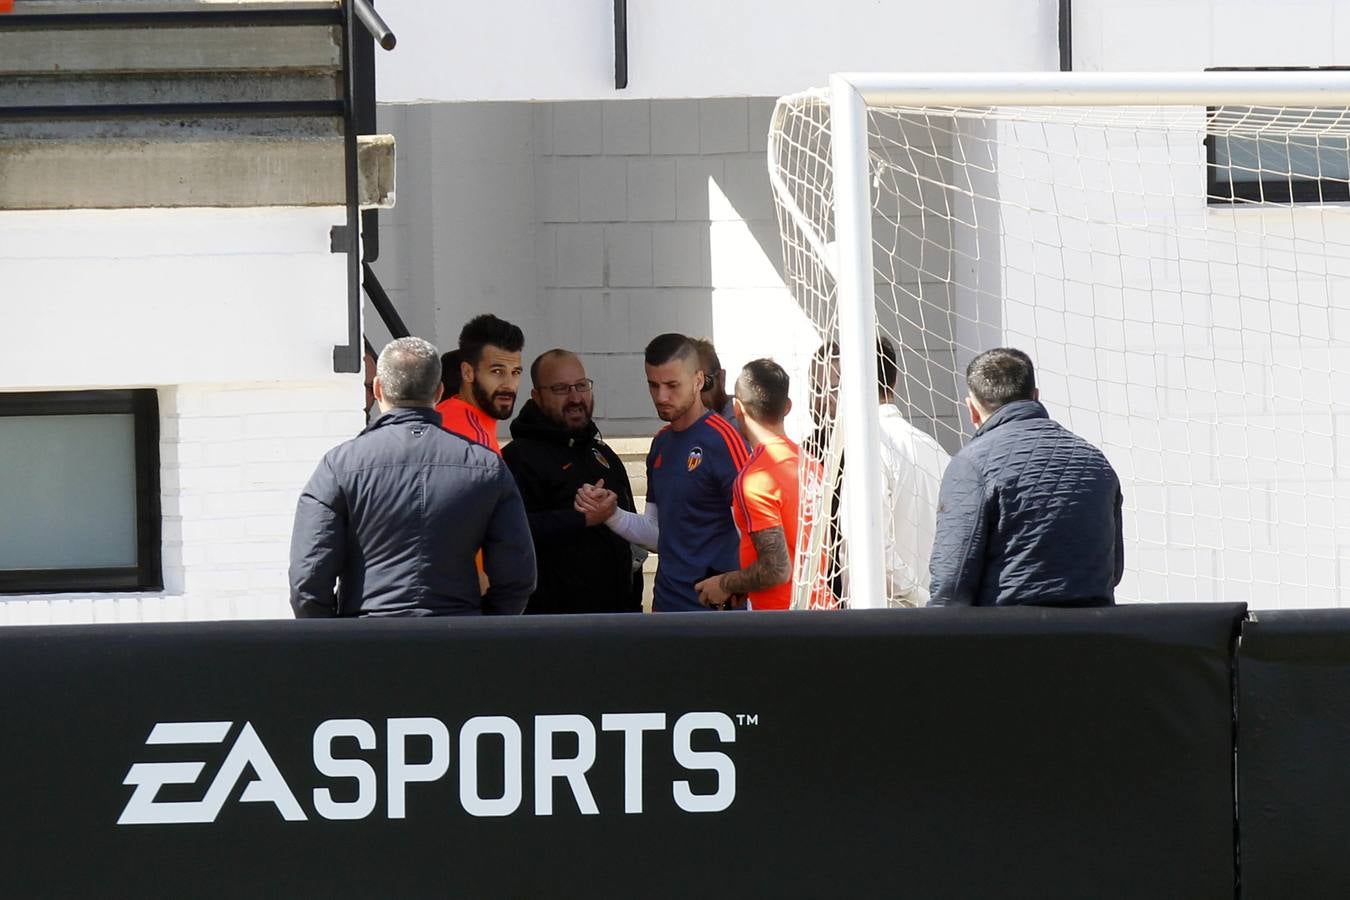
{"points": [[1066, 35], [620, 44], [349, 357], [356, 110]]}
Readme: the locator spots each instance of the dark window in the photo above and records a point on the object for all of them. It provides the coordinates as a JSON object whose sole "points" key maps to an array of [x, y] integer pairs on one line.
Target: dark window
{"points": [[1277, 154], [79, 491]]}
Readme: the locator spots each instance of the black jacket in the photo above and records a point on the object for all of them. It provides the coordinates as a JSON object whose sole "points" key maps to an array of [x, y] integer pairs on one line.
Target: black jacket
{"points": [[396, 516], [581, 569], [1028, 513]]}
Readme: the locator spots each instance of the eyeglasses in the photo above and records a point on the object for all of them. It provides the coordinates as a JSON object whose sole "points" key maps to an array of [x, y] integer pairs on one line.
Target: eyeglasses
{"points": [[562, 390]]}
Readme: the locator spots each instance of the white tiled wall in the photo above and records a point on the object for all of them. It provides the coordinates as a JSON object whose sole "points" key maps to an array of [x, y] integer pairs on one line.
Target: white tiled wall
{"points": [[595, 226], [1195, 344], [233, 457]]}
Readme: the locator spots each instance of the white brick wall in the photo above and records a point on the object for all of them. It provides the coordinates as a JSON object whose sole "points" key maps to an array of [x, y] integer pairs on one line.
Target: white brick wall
{"points": [[642, 217], [678, 192], [233, 458], [1196, 351]]}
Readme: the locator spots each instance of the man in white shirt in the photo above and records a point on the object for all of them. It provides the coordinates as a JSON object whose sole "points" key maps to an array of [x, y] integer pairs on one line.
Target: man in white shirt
{"points": [[912, 463]]}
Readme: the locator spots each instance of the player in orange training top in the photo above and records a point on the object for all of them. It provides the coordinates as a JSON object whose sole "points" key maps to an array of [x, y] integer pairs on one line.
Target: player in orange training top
{"points": [[764, 500], [489, 364]]}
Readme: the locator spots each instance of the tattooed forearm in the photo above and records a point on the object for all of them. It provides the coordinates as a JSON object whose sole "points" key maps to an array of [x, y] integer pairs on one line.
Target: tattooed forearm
{"points": [[770, 568]]}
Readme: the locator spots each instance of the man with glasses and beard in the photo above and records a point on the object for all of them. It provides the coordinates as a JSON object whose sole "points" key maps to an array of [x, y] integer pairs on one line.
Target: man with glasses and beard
{"points": [[489, 366], [555, 449]]}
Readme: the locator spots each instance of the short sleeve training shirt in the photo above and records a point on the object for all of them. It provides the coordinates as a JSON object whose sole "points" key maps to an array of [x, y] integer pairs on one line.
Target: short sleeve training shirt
{"points": [[765, 496], [690, 476]]}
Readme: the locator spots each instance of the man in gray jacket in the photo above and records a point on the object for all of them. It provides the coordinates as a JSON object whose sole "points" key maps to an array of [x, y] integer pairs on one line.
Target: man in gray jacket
{"points": [[1028, 512], [390, 521]]}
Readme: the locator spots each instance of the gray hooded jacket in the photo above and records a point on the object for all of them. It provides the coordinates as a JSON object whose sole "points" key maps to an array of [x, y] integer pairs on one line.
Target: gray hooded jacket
{"points": [[394, 518]]}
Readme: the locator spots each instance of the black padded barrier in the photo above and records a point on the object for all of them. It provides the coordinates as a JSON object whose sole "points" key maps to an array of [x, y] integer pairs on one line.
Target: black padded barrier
{"points": [[1294, 754], [933, 753]]}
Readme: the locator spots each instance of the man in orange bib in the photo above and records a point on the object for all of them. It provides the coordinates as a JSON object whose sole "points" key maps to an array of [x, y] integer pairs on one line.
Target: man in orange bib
{"points": [[489, 366], [764, 499]]}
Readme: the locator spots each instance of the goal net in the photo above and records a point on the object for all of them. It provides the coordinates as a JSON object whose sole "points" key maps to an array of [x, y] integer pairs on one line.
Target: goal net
{"points": [[1180, 275]]}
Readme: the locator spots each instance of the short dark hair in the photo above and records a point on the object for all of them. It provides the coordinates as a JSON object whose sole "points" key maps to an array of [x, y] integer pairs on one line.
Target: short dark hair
{"points": [[1001, 376], [450, 374], [409, 370], [665, 347], [887, 369], [486, 329], [762, 388], [539, 361]]}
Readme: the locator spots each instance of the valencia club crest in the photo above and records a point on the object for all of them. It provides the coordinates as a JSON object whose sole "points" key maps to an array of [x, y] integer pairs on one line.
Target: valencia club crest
{"points": [[600, 457], [695, 458]]}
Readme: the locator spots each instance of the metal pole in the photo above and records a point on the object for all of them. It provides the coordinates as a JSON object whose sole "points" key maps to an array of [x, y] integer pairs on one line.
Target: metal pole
{"points": [[978, 89], [858, 403], [347, 357], [1066, 35], [383, 305], [620, 44], [375, 25]]}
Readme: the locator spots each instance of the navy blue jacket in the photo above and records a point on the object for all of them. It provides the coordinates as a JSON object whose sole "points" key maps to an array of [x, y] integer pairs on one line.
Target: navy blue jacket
{"points": [[396, 516], [1028, 513]]}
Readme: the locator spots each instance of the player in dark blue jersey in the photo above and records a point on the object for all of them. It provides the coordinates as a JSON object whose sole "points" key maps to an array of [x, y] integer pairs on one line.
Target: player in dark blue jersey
{"points": [[691, 470]]}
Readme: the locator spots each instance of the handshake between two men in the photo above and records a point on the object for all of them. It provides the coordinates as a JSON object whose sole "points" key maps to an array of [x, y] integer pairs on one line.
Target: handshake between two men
{"points": [[600, 506]]}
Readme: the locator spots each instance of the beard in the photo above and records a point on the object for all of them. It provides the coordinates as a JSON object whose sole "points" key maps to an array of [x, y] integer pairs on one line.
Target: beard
{"points": [[673, 412], [567, 415], [488, 402], [580, 407]]}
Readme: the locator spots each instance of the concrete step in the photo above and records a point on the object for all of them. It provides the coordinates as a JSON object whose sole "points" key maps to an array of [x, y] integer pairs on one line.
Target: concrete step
{"points": [[630, 447], [73, 7], [66, 51], [169, 87], [56, 54], [633, 452], [112, 173]]}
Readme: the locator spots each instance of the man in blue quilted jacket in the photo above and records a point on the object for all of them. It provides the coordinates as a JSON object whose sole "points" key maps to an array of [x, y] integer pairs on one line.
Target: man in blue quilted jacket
{"points": [[1028, 512]]}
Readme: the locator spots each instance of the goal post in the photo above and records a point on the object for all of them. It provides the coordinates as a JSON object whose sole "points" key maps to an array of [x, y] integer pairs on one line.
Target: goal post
{"points": [[1172, 249], [857, 338]]}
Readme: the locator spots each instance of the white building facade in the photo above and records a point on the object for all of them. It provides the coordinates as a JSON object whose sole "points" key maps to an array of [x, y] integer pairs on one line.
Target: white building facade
{"points": [[529, 186]]}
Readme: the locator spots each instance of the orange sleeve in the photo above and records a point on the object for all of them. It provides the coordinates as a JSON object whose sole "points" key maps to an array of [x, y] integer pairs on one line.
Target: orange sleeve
{"points": [[447, 411], [759, 499]]}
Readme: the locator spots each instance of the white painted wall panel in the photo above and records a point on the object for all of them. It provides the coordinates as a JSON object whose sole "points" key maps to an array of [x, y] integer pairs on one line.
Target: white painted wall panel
{"points": [[547, 50], [232, 316], [1189, 35], [93, 298]]}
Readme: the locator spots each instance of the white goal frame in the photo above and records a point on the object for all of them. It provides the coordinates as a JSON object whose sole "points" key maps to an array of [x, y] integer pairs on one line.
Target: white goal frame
{"points": [[850, 94]]}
